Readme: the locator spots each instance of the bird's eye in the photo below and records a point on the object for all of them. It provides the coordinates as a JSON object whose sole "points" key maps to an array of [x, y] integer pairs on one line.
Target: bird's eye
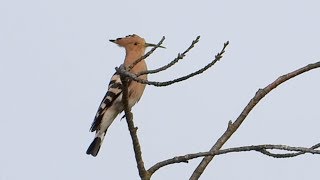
{"points": [[135, 43]]}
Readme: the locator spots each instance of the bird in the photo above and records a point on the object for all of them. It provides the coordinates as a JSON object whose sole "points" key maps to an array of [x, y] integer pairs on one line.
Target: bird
{"points": [[111, 105]]}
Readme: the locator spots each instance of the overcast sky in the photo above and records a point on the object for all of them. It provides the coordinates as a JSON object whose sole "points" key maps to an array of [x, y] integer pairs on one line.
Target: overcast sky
{"points": [[56, 62]]}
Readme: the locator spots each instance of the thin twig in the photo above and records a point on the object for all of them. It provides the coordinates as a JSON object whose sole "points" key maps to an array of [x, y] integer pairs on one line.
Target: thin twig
{"points": [[232, 127], [179, 57], [146, 55], [133, 130], [258, 148], [167, 83]]}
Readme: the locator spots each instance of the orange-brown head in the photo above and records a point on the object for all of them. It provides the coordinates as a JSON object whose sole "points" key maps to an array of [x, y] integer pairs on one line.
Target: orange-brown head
{"points": [[133, 42]]}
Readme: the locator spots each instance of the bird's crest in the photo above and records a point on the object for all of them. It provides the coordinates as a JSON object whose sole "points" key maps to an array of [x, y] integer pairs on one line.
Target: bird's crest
{"points": [[133, 39]]}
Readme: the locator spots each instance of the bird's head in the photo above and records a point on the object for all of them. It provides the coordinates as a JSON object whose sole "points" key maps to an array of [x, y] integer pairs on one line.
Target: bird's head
{"points": [[133, 42]]}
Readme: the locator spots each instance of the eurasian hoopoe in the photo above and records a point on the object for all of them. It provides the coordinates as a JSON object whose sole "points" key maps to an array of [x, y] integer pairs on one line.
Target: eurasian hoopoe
{"points": [[111, 104]]}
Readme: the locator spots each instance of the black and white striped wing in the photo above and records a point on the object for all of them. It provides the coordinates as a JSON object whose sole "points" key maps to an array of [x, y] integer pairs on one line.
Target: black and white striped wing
{"points": [[114, 90]]}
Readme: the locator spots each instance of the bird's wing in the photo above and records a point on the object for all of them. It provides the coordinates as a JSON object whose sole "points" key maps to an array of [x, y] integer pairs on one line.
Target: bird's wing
{"points": [[114, 90]]}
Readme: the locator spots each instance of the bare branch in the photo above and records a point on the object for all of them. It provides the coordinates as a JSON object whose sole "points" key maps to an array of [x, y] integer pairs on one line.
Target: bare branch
{"points": [[167, 83], [146, 55], [258, 148], [287, 155], [232, 127], [133, 130], [179, 57]]}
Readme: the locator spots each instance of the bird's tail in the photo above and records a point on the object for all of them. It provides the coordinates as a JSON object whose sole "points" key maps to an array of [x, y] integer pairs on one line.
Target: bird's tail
{"points": [[94, 147]]}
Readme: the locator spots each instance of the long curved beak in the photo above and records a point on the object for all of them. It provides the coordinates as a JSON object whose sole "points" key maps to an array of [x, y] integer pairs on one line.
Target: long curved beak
{"points": [[153, 45]]}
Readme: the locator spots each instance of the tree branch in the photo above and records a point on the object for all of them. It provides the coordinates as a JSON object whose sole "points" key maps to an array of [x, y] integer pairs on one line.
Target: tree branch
{"points": [[167, 83], [258, 148], [287, 155], [133, 130], [232, 127]]}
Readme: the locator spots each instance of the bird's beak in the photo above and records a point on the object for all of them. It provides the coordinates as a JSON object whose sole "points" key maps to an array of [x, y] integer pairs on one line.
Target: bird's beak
{"points": [[112, 40], [153, 45]]}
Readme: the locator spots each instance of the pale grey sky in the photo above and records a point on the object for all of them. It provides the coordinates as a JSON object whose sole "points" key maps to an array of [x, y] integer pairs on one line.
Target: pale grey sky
{"points": [[56, 61]]}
